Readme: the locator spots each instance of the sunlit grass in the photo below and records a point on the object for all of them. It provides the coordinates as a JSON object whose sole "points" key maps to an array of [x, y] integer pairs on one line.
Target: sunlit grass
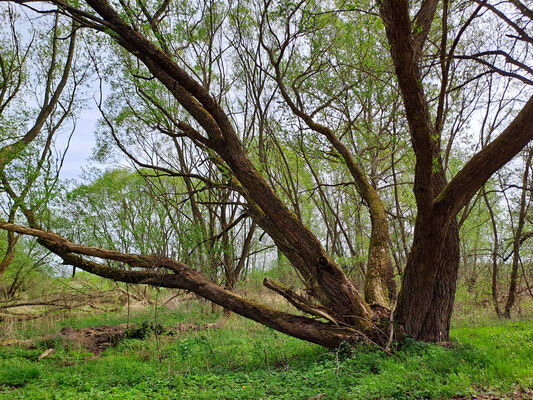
{"points": [[243, 360]]}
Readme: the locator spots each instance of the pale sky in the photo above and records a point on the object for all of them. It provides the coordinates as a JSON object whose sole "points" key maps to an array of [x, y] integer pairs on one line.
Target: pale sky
{"points": [[81, 145]]}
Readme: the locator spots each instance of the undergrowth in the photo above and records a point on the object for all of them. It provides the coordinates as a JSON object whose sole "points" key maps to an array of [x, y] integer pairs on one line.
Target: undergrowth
{"points": [[243, 360]]}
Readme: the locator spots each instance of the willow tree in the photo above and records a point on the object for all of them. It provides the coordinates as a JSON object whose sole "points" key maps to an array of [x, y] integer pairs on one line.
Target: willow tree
{"points": [[426, 41]]}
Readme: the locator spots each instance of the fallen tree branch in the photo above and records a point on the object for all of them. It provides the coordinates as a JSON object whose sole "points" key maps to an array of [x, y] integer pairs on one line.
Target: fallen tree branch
{"points": [[182, 276], [57, 302], [133, 296]]}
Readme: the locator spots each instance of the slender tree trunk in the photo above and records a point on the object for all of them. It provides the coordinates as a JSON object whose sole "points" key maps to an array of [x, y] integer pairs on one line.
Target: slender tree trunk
{"points": [[380, 288], [511, 297], [379, 282], [494, 277]]}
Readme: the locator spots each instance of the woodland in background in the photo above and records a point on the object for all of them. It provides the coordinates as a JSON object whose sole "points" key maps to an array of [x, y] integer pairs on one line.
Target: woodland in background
{"points": [[382, 150]]}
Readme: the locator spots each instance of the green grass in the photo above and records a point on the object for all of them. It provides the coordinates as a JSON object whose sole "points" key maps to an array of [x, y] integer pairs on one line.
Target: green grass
{"points": [[246, 361]]}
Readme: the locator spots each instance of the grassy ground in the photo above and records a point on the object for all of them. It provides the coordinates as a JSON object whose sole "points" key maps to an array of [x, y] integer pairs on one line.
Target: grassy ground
{"points": [[243, 360]]}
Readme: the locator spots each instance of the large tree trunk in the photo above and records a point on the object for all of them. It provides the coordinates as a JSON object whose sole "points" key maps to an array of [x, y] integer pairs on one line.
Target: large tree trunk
{"points": [[425, 304], [437, 324]]}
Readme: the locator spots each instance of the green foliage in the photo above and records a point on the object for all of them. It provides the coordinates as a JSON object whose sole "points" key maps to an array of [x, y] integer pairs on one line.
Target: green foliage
{"points": [[28, 267], [17, 372], [116, 210], [246, 361]]}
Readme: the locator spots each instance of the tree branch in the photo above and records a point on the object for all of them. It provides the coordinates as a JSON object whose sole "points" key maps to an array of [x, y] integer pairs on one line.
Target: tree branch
{"points": [[299, 302], [487, 161], [184, 277]]}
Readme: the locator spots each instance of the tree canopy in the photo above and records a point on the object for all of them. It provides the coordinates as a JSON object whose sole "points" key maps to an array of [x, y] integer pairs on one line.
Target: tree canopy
{"points": [[355, 135]]}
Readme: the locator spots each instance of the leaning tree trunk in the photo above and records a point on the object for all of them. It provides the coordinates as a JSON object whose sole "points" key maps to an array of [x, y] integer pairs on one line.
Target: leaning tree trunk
{"points": [[380, 287], [297, 242]]}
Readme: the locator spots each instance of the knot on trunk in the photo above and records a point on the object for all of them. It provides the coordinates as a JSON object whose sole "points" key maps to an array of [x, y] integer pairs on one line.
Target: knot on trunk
{"points": [[323, 262]]}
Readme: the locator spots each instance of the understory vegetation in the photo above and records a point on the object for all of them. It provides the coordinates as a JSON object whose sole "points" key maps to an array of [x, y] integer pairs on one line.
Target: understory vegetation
{"points": [[211, 357]]}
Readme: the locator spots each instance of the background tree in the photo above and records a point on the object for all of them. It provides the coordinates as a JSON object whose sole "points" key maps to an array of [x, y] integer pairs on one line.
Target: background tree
{"points": [[32, 64]]}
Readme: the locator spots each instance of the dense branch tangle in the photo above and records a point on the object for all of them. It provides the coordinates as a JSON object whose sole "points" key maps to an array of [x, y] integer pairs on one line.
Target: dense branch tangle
{"points": [[300, 246], [279, 222], [426, 298]]}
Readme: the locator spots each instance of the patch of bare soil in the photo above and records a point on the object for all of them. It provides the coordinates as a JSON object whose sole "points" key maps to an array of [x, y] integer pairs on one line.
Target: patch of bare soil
{"points": [[95, 339]]}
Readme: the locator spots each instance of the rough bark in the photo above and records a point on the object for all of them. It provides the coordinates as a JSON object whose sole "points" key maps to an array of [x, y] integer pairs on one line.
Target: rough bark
{"points": [[486, 162], [153, 271], [426, 300]]}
